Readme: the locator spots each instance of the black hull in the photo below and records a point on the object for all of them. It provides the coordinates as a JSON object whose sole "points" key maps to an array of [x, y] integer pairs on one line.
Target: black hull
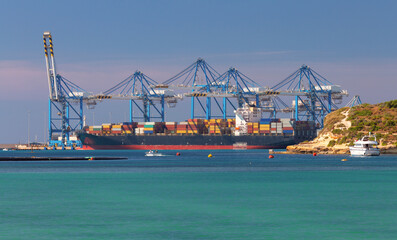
{"points": [[91, 141]]}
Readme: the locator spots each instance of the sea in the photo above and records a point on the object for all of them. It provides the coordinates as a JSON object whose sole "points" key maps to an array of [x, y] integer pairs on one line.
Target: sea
{"points": [[235, 194]]}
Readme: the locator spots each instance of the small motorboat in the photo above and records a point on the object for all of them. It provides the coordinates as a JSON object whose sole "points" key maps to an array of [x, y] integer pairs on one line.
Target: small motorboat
{"points": [[365, 147], [152, 153]]}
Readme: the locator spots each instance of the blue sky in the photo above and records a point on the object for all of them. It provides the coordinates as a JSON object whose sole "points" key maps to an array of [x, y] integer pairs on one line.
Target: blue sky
{"points": [[99, 43]]}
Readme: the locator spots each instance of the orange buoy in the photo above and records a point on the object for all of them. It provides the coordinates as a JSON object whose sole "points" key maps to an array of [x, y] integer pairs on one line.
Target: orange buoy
{"points": [[271, 156], [314, 154], [178, 154]]}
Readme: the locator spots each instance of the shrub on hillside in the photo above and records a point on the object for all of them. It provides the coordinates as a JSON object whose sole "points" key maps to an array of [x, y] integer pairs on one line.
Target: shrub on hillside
{"points": [[337, 131], [391, 104], [331, 143]]}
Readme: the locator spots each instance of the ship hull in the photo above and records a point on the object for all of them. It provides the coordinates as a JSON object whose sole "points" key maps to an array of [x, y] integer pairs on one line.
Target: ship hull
{"points": [[187, 142]]}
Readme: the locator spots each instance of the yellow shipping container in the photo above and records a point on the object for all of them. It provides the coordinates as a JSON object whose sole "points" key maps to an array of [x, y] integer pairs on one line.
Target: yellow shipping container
{"points": [[116, 126]]}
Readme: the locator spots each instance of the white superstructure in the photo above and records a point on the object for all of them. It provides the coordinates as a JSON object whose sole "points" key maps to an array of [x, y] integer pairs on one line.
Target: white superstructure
{"points": [[365, 147], [243, 116]]}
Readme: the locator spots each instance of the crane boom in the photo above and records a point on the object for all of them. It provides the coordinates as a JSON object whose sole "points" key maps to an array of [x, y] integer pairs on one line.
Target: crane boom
{"points": [[50, 64]]}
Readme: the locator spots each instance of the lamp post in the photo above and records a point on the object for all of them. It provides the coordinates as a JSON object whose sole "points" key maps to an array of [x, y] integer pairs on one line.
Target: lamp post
{"points": [[28, 128]]}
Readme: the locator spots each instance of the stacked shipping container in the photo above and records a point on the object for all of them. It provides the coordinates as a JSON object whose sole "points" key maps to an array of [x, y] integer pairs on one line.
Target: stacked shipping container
{"points": [[106, 128], [218, 126], [288, 126], [148, 128], [264, 126], [195, 126], [170, 127], [200, 126], [181, 128]]}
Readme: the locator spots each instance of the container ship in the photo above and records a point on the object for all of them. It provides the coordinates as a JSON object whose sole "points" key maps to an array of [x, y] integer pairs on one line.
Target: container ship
{"points": [[247, 131]]}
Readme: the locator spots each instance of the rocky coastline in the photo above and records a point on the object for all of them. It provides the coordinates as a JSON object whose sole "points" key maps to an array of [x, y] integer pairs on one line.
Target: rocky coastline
{"points": [[346, 125]]}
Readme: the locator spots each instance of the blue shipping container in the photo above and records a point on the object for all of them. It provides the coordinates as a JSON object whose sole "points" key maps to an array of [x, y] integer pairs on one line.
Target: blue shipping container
{"points": [[266, 120]]}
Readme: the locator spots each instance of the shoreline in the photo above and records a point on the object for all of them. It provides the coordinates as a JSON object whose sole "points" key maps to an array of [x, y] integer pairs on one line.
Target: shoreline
{"points": [[295, 149]]}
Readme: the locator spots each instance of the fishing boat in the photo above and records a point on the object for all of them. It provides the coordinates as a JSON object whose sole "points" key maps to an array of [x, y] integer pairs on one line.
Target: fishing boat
{"points": [[365, 147]]}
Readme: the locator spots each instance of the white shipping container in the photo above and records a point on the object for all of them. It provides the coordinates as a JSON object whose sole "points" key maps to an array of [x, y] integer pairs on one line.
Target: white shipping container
{"points": [[139, 130]]}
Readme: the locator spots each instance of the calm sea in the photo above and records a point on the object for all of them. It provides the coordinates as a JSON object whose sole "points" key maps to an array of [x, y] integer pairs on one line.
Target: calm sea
{"points": [[233, 195]]}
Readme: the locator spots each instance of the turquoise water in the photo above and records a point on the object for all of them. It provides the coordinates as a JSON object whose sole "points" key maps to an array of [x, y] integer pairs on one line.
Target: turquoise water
{"points": [[234, 195]]}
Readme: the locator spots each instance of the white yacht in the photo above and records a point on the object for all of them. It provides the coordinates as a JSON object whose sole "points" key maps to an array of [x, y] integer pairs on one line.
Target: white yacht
{"points": [[365, 147]]}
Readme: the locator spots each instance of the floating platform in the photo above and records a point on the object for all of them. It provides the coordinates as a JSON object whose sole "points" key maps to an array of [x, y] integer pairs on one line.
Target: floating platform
{"points": [[59, 158]]}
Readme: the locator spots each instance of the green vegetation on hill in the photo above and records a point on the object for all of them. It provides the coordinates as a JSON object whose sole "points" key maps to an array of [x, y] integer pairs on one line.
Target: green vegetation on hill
{"points": [[391, 104], [379, 119], [332, 120]]}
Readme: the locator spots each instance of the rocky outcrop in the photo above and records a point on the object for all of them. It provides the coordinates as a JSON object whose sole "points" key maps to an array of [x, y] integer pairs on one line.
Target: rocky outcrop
{"points": [[346, 125]]}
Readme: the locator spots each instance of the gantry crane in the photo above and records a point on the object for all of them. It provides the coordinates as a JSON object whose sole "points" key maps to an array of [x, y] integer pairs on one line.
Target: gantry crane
{"points": [[242, 87], [314, 95], [140, 87], [356, 100], [200, 77], [65, 103]]}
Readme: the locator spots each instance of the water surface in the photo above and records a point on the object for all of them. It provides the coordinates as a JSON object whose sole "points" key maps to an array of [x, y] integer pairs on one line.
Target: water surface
{"points": [[234, 195]]}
